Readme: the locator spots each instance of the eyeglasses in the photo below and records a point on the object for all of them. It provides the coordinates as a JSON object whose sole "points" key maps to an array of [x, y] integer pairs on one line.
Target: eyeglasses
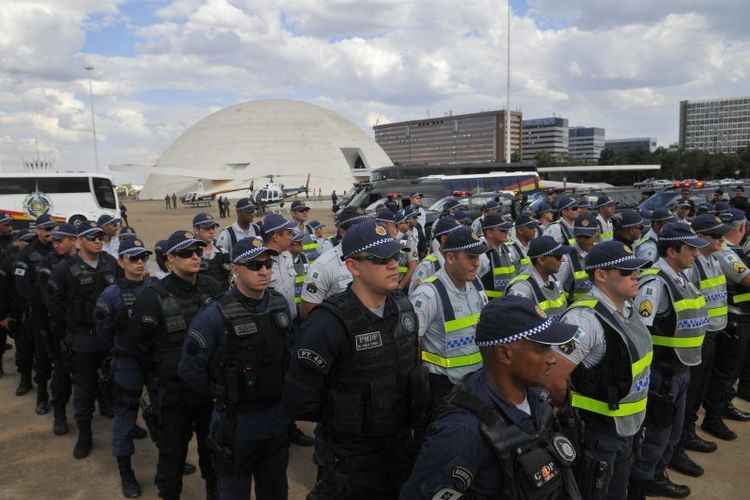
{"points": [[94, 237], [136, 258], [624, 272], [257, 265], [378, 261], [189, 252]]}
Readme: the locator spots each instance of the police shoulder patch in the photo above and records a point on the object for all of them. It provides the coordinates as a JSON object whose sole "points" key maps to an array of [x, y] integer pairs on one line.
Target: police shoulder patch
{"points": [[312, 358], [739, 267], [447, 494], [646, 308], [462, 477], [310, 287]]}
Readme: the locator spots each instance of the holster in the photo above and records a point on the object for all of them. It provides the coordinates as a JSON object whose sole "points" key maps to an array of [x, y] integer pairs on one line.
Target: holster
{"points": [[592, 476], [221, 440], [661, 408]]}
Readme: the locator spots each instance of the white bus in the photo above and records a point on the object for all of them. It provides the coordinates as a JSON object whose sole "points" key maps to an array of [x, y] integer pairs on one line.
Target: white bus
{"points": [[65, 196]]}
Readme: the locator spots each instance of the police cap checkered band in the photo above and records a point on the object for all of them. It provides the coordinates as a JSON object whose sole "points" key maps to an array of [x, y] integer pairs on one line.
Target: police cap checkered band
{"points": [[603, 201], [517, 336], [85, 231], [178, 244], [612, 254], [278, 226], [65, 230], [351, 218], [133, 250], [566, 202], [369, 246]]}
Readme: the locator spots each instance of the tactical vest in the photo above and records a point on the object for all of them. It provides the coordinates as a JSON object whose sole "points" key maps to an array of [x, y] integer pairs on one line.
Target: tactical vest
{"points": [[617, 387], [739, 295], [310, 247], [403, 263], [682, 329], [300, 271], [217, 268], [368, 392], [128, 296], [714, 289], [501, 272], [454, 354], [436, 266], [567, 235], [87, 285], [552, 302], [248, 370], [581, 283], [523, 260], [534, 466], [177, 313], [604, 235]]}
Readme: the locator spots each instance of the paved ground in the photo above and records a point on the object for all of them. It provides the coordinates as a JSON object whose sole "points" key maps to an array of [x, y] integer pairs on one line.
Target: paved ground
{"points": [[35, 464]]}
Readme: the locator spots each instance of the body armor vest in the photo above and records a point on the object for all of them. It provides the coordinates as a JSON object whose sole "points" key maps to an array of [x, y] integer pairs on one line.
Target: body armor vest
{"points": [[679, 332], [217, 268], [739, 295], [435, 263], [523, 260], [501, 272], [87, 285], [177, 313], [552, 302], [567, 234], [714, 289], [534, 466], [454, 354], [310, 247], [369, 390], [581, 282], [616, 388], [301, 266], [248, 370]]}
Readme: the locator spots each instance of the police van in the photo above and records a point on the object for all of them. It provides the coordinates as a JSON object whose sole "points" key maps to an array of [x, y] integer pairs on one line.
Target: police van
{"points": [[64, 196]]}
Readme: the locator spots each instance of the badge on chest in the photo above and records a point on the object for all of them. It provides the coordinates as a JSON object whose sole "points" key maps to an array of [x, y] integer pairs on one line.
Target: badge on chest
{"points": [[367, 341]]}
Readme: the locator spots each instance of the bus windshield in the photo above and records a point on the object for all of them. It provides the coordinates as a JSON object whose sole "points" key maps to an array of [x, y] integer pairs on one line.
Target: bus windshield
{"points": [[105, 194]]}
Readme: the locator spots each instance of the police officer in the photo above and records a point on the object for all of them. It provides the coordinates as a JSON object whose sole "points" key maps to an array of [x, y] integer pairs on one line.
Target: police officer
{"points": [[315, 228], [214, 262], [30, 345], [300, 213], [415, 203], [537, 282], [609, 361], [645, 247], [397, 225], [161, 315], [434, 261], [12, 305], [113, 311], [544, 215], [584, 205], [498, 259], [161, 269], [75, 286], [111, 227], [278, 233], [731, 344], [683, 212], [416, 231], [448, 305], [525, 229], [606, 207], [329, 275], [674, 312], [242, 228], [497, 412], [708, 277], [562, 230], [301, 267], [355, 369], [488, 208], [450, 206], [237, 352], [64, 244], [628, 226], [572, 275]]}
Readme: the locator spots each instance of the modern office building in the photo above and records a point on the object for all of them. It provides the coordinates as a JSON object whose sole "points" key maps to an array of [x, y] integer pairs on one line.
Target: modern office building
{"points": [[474, 137], [631, 144], [715, 125], [585, 144], [548, 135]]}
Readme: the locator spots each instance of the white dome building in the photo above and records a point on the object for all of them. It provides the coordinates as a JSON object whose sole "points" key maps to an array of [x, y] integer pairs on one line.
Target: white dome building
{"points": [[289, 139]]}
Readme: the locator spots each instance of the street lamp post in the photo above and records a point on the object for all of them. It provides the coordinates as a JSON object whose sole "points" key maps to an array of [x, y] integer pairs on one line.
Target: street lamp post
{"points": [[507, 98], [90, 69]]}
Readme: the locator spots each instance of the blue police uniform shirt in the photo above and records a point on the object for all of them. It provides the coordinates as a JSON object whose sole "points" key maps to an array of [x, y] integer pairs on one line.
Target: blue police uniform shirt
{"points": [[108, 308], [455, 458], [206, 336]]}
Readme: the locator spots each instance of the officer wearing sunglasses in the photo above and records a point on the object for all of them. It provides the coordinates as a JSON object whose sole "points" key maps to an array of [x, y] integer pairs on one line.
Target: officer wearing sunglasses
{"points": [[236, 353], [75, 286], [113, 311], [161, 316], [355, 369], [608, 364]]}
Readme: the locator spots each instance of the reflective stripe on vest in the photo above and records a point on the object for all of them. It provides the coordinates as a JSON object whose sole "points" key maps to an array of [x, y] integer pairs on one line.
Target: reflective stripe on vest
{"points": [[310, 246], [593, 405], [607, 235], [453, 362], [739, 299], [545, 303], [677, 342]]}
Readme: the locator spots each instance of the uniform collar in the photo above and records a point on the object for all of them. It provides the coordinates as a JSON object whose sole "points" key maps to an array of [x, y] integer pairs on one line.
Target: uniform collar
{"points": [[538, 277], [178, 284], [448, 282], [126, 283], [678, 278], [604, 299]]}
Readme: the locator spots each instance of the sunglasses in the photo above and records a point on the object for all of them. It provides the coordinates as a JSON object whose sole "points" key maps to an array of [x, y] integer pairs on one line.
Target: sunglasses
{"points": [[94, 237], [136, 258], [625, 272], [257, 265], [189, 252], [378, 261]]}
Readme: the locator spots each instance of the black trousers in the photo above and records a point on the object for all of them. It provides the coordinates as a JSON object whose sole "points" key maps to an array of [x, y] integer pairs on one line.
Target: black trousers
{"points": [[24, 342], [86, 383], [700, 380], [179, 419], [440, 386], [731, 345], [62, 383], [42, 359], [266, 462]]}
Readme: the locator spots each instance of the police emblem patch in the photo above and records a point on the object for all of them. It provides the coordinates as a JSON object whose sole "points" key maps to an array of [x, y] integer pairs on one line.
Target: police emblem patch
{"points": [[462, 477], [627, 249], [408, 322], [138, 243], [718, 221], [310, 287], [585, 222], [646, 308], [380, 231], [564, 449], [311, 357], [739, 267], [255, 242], [540, 311], [367, 341], [188, 235], [568, 347]]}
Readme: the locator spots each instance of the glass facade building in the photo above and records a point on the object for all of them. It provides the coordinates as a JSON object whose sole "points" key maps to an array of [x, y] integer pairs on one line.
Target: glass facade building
{"points": [[715, 125]]}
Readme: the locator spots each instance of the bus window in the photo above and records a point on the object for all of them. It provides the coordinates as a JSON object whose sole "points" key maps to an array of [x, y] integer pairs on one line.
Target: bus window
{"points": [[17, 185], [105, 195], [57, 185]]}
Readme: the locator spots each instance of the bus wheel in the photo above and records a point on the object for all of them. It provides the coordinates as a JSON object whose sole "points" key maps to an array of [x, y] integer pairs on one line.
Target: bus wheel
{"points": [[77, 219]]}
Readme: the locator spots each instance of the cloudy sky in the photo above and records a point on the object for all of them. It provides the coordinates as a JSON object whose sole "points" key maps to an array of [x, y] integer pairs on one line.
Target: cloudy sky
{"points": [[160, 65]]}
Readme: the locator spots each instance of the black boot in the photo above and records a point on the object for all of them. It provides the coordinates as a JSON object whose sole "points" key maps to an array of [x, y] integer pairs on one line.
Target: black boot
{"points": [[681, 462], [734, 413], [42, 400], [24, 386], [694, 442], [128, 482], [662, 486], [61, 422], [85, 441], [717, 428]]}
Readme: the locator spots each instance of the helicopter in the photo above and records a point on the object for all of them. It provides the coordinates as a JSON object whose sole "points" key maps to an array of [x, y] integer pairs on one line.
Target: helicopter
{"points": [[272, 192]]}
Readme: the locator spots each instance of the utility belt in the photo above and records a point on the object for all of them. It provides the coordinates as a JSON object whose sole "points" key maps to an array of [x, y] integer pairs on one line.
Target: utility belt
{"points": [[661, 409]]}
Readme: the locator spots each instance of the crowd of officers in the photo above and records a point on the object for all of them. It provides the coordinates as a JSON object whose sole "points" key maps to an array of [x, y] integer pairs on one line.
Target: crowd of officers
{"points": [[561, 353]]}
